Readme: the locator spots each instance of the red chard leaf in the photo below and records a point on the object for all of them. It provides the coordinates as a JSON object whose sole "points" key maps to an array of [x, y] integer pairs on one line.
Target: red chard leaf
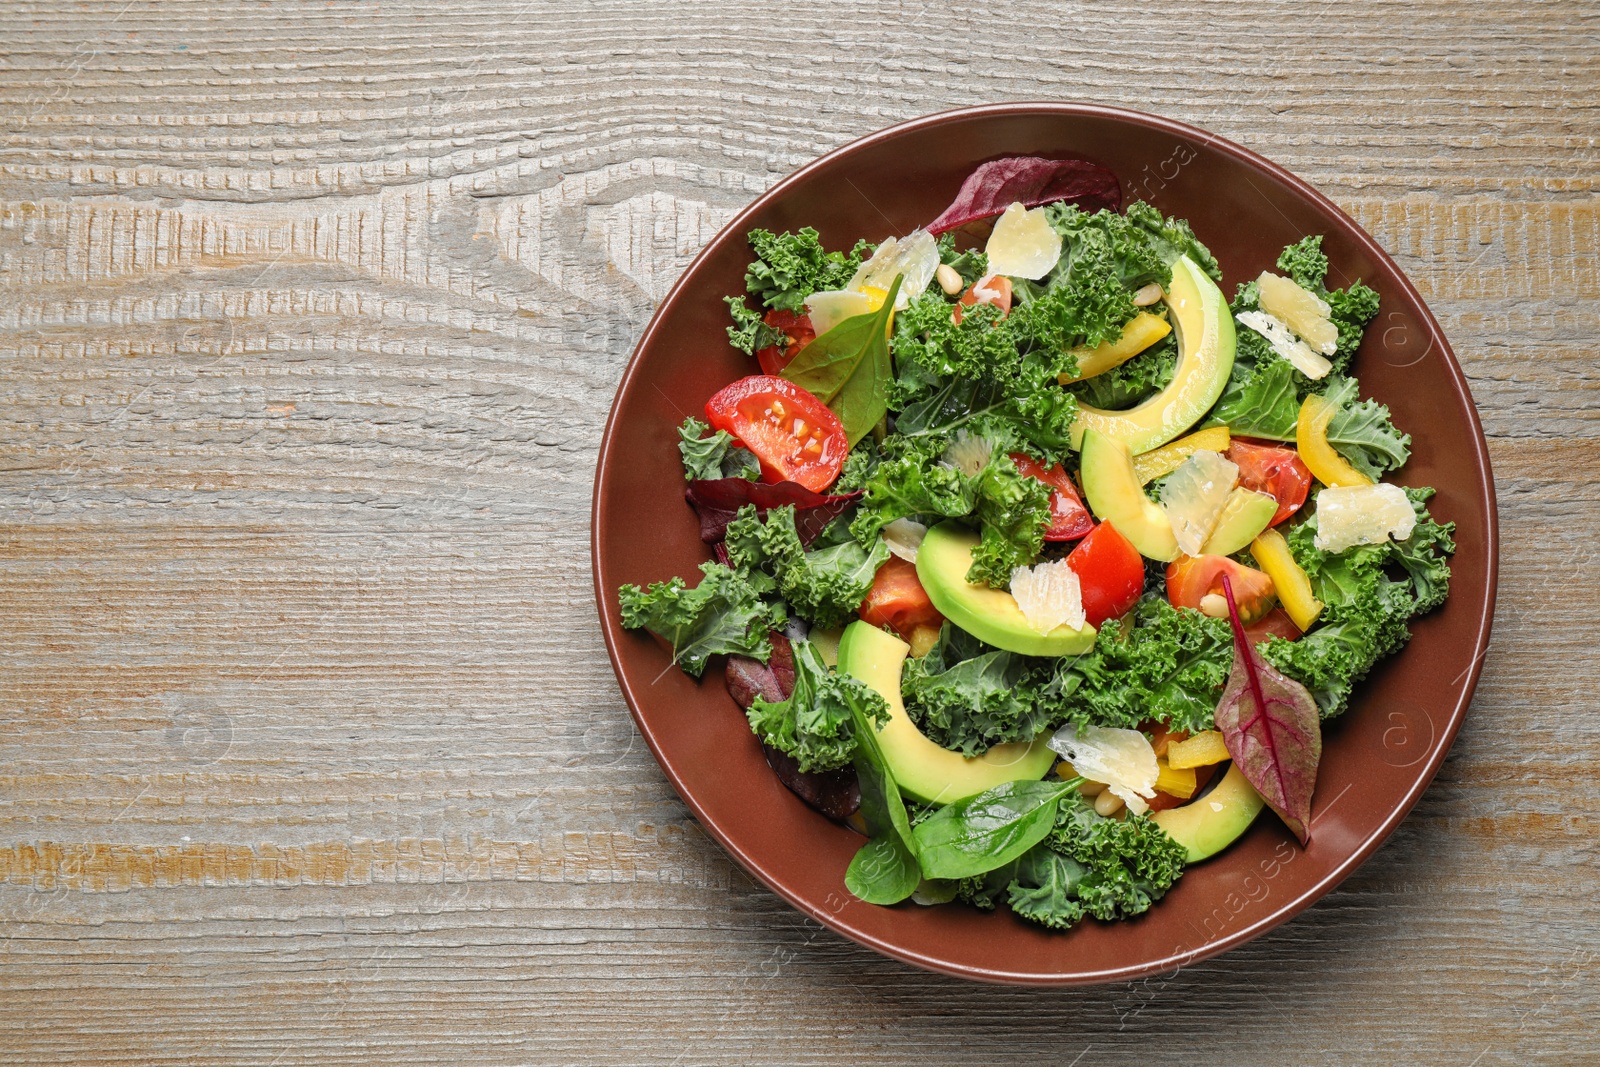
{"points": [[1272, 729], [772, 681], [718, 500], [997, 185]]}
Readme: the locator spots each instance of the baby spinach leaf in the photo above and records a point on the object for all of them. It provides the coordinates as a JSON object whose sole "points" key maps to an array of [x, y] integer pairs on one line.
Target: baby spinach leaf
{"points": [[976, 835], [885, 870], [849, 369]]}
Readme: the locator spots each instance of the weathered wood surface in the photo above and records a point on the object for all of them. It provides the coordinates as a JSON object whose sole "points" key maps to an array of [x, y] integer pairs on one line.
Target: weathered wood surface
{"points": [[311, 314]]}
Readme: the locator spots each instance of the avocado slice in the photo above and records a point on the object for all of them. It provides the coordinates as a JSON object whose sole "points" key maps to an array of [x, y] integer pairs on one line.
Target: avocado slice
{"points": [[1114, 494], [1212, 823], [990, 615], [1206, 343], [922, 769], [1243, 517]]}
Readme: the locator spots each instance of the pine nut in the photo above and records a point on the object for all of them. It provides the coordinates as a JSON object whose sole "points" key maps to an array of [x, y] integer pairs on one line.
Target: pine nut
{"points": [[1147, 295], [1092, 789], [1107, 804], [1213, 605], [948, 279]]}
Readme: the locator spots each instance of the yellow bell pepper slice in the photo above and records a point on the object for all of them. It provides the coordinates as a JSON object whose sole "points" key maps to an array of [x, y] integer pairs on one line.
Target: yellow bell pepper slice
{"points": [[1311, 437], [1142, 331], [1201, 750], [1148, 466], [1288, 577], [876, 297], [1178, 783]]}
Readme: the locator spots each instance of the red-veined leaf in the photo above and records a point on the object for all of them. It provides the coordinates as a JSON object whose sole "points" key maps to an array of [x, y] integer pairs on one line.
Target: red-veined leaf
{"points": [[1272, 729], [1000, 183]]}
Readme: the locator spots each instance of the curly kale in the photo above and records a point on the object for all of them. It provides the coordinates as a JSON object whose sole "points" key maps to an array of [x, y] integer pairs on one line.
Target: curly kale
{"points": [[814, 724], [750, 332], [1088, 865], [724, 614], [825, 585], [1164, 663], [717, 456], [1013, 511], [1370, 593], [968, 697], [791, 266]]}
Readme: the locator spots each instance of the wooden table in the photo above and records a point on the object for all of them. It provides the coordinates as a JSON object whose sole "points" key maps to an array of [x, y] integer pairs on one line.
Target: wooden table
{"points": [[311, 316]]}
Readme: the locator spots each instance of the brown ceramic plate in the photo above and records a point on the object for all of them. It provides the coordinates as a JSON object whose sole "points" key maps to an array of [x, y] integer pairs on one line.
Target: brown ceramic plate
{"points": [[1378, 758]]}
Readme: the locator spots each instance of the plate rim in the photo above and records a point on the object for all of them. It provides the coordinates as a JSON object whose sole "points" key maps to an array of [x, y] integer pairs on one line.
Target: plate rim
{"points": [[1317, 890]]}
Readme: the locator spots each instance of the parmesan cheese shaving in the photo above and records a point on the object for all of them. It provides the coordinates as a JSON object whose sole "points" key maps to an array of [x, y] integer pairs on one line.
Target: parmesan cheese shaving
{"points": [[1286, 344], [1049, 595]]}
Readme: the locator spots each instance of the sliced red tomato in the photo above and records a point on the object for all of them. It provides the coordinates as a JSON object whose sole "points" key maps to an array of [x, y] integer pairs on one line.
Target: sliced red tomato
{"points": [[1191, 578], [898, 601], [1069, 519], [796, 327], [1275, 623], [1110, 572], [992, 289], [1278, 472], [793, 434]]}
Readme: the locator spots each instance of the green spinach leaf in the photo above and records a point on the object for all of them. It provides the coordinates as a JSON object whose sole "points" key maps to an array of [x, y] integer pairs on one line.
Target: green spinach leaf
{"points": [[849, 369], [976, 835], [885, 870]]}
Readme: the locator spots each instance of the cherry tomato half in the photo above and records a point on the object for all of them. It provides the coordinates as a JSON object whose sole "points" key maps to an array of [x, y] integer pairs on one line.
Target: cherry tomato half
{"points": [[1278, 472], [796, 327], [1110, 573], [898, 601], [990, 289], [793, 434], [1191, 578], [1069, 519]]}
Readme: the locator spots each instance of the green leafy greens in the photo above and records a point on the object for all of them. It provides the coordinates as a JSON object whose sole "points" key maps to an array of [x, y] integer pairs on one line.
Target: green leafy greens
{"points": [[848, 368], [824, 585], [1086, 865], [1370, 593], [724, 615], [816, 724], [717, 456]]}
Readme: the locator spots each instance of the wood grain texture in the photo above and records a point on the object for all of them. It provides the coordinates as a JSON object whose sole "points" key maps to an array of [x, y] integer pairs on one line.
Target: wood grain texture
{"points": [[310, 314]]}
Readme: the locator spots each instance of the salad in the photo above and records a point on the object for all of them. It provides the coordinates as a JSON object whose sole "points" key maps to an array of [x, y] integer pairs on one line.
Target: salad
{"points": [[1027, 538]]}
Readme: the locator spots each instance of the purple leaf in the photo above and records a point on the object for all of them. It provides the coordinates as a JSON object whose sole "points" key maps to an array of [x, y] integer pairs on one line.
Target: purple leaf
{"points": [[1272, 729], [997, 185], [834, 793], [772, 681], [718, 500]]}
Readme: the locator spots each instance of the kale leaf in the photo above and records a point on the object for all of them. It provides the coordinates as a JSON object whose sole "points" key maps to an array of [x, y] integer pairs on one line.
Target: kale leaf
{"points": [[967, 696], [1170, 664], [1087, 865], [1014, 511], [791, 266], [724, 614], [814, 725], [825, 585], [1369, 592], [750, 332], [1362, 432], [717, 456]]}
